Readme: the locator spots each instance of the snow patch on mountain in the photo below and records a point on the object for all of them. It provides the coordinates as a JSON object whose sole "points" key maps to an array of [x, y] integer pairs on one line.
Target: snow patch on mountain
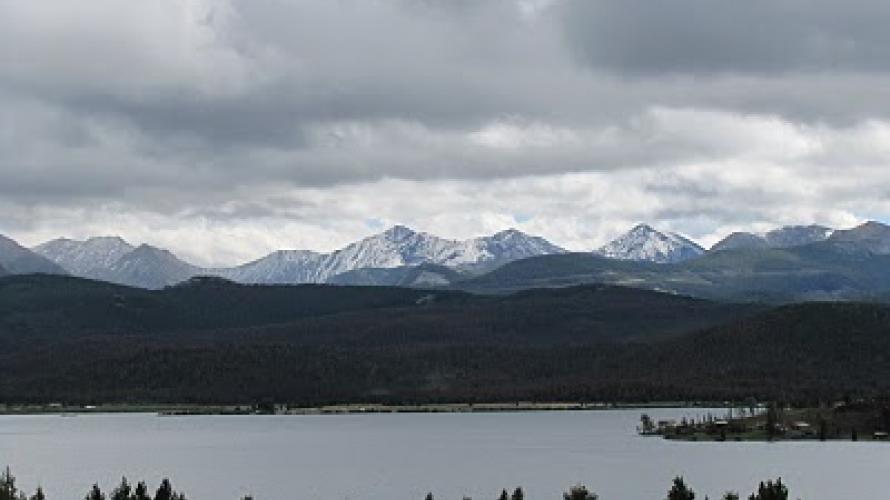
{"points": [[396, 247], [85, 258], [644, 243], [149, 267], [784, 237]]}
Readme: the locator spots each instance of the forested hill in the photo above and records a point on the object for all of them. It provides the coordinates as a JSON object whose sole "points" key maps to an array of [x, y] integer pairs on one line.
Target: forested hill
{"points": [[41, 305], [58, 305], [63, 339]]}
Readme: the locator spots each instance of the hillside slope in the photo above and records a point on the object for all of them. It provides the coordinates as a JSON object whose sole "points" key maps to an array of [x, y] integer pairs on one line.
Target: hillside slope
{"points": [[819, 271]]}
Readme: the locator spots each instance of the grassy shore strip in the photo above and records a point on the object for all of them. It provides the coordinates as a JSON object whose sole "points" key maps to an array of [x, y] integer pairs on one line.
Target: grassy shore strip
{"points": [[353, 408]]}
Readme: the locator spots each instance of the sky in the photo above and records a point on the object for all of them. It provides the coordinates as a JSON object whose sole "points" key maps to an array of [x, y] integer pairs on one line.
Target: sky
{"points": [[225, 129]]}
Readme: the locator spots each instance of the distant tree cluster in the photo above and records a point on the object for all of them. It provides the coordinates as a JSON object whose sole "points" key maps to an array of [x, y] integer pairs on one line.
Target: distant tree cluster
{"points": [[770, 490], [124, 491], [679, 491]]}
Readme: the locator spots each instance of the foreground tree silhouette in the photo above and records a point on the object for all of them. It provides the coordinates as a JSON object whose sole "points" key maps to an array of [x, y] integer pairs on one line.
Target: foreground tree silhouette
{"points": [[504, 495], [518, 494], [38, 495], [679, 491], [730, 495], [8, 491], [771, 491], [579, 492], [95, 494], [141, 492], [122, 492], [166, 492]]}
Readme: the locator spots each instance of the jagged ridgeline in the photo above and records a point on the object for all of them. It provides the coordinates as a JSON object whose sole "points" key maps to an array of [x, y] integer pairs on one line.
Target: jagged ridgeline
{"points": [[789, 264]]}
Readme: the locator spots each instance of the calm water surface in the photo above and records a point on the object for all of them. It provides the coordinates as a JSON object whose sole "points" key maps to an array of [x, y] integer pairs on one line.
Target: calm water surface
{"points": [[393, 457]]}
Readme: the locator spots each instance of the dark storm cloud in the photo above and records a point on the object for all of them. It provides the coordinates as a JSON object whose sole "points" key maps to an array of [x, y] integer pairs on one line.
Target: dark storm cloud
{"points": [[728, 36]]}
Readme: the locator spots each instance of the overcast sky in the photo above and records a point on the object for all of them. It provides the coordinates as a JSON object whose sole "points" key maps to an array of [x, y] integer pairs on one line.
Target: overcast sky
{"points": [[226, 129]]}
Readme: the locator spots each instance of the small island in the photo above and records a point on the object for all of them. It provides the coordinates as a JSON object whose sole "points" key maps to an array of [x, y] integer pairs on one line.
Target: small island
{"points": [[865, 420]]}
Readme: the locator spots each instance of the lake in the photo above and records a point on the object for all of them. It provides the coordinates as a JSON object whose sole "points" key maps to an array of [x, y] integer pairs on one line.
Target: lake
{"points": [[403, 456]]}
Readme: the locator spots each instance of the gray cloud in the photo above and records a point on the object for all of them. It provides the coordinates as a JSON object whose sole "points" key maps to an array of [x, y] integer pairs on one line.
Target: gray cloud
{"points": [[724, 36], [192, 123]]}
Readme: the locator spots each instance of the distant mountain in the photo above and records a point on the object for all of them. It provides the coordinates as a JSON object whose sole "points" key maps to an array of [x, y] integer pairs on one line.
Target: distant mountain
{"points": [[422, 276], [17, 259], [871, 236], [113, 259], [281, 267], [85, 258], [818, 271], [148, 267], [644, 243], [401, 246], [785, 237], [505, 246], [394, 248], [741, 241]]}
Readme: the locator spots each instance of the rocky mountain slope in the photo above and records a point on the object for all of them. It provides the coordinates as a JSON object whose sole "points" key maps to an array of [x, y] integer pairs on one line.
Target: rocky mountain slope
{"points": [[85, 258], [644, 243], [785, 237], [17, 259]]}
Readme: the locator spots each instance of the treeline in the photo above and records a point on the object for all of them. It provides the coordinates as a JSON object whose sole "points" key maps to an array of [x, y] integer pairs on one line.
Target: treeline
{"points": [[124, 491], [770, 490]]}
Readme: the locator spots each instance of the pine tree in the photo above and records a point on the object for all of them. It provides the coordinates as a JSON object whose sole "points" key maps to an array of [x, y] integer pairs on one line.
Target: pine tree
{"points": [[429, 496], [579, 492], [504, 495], [8, 490], [141, 492], [95, 494], [38, 495], [122, 492], [165, 491], [518, 494], [679, 491], [771, 491]]}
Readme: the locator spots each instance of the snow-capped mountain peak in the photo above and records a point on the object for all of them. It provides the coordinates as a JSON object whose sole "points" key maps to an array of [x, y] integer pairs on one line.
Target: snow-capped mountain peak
{"points": [[397, 233], [395, 247], [645, 243], [85, 258], [511, 244]]}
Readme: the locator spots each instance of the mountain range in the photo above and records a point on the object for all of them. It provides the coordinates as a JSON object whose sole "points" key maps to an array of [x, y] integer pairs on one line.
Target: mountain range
{"points": [[396, 247], [392, 255], [849, 264], [789, 263]]}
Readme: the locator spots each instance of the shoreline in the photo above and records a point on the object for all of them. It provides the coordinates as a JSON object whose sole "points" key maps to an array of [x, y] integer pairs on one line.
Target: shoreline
{"points": [[337, 409]]}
